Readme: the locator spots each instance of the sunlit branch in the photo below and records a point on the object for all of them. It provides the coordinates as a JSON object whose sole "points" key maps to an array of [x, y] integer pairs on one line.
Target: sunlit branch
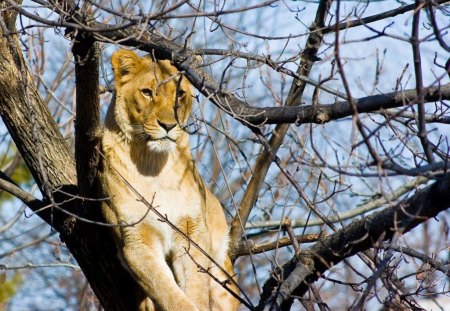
{"points": [[358, 236], [373, 203], [293, 100], [253, 248], [39, 266]]}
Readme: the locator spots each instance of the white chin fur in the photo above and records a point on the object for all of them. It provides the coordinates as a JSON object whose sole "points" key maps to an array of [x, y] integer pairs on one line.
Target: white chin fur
{"points": [[161, 146]]}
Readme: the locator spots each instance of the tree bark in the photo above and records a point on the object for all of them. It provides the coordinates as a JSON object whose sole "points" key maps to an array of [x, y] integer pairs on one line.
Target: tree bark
{"points": [[46, 154], [184, 59], [32, 127], [359, 236], [87, 122]]}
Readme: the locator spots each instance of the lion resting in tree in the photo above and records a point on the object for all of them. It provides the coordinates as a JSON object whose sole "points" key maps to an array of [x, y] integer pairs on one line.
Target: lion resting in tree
{"points": [[146, 151]]}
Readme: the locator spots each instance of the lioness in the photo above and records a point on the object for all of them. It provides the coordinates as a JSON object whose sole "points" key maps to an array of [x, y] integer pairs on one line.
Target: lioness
{"points": [[144, 143]]}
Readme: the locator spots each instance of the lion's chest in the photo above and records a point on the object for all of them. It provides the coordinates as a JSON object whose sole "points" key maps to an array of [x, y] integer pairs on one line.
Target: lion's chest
{"points": [[173, 195], [173, 198]]}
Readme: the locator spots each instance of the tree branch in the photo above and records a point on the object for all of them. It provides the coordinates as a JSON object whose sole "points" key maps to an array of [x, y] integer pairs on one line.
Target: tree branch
{"points": [[251, 116], [46, 154], [377, 200], [436, 264], [31, 126], [11, 187], [87, 122], [250, 247], [373, 18], [308, 57], [356, 237], [421, 122]]}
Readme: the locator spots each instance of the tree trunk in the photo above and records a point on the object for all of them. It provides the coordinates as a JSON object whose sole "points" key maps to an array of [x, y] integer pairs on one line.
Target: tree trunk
{"points": [[48, 157]]}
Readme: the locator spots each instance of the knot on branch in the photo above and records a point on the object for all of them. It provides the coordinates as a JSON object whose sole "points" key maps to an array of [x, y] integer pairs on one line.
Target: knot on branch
{"points": [[322, 116]]}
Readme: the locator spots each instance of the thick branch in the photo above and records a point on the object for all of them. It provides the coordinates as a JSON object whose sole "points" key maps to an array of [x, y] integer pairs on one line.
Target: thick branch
{"points": [[87, 122], [9, 186], [31, 126], [242, 111], [184, 59], [249, 247], [326, 113], [46, 154], [257, 116], [358, 236]]}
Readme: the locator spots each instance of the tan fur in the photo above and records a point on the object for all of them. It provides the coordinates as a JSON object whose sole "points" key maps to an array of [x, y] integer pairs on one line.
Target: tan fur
{"points": [[158, 164]]}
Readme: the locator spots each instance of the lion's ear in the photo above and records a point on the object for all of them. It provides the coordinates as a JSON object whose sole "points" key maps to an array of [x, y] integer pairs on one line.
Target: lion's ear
{"points": [[124, 63]]}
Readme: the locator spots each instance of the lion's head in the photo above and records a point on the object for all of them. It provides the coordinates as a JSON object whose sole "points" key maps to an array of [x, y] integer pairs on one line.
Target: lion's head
{"points": [[153, 100]]}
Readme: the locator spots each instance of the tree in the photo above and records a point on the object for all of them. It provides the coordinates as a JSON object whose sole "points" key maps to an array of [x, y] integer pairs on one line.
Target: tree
{"points": [[304, 134]]}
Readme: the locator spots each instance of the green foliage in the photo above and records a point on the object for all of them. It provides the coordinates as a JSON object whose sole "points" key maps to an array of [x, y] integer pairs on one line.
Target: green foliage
{"points": [[9, 286], [21, 175]]}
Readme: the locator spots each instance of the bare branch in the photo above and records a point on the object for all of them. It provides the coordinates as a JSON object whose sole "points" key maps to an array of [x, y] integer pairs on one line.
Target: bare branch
{"points": [[250, 247], [358, 236], [39, 266], [436, 264], [87, 122], [264, 161], [373, 18], [9, 186], [378, 200], [415, 42]]}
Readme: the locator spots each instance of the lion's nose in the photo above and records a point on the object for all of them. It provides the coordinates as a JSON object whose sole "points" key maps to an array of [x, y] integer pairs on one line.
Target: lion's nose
{"points": [[167, 126]]}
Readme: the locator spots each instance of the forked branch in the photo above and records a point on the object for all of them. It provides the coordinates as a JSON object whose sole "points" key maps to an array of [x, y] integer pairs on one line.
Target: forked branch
{"points": [[354, 238]]}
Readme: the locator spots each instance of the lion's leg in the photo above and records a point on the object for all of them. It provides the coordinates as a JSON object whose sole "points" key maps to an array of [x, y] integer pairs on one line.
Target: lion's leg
{"points": [[143, 302], [146, 305], [188, 261], [147, 263], [193, 282], [221, 299]]}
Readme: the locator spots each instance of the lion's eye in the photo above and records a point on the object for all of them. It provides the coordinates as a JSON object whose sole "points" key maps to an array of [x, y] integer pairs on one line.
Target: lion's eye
{"points": [[181, 93], [147, 92]]}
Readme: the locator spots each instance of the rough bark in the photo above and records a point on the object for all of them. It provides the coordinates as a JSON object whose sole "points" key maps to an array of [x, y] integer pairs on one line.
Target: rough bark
{"points": [[32, 127], [87, 122], [53, 166], [359, 236], [184, 59], [46, 154]]}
